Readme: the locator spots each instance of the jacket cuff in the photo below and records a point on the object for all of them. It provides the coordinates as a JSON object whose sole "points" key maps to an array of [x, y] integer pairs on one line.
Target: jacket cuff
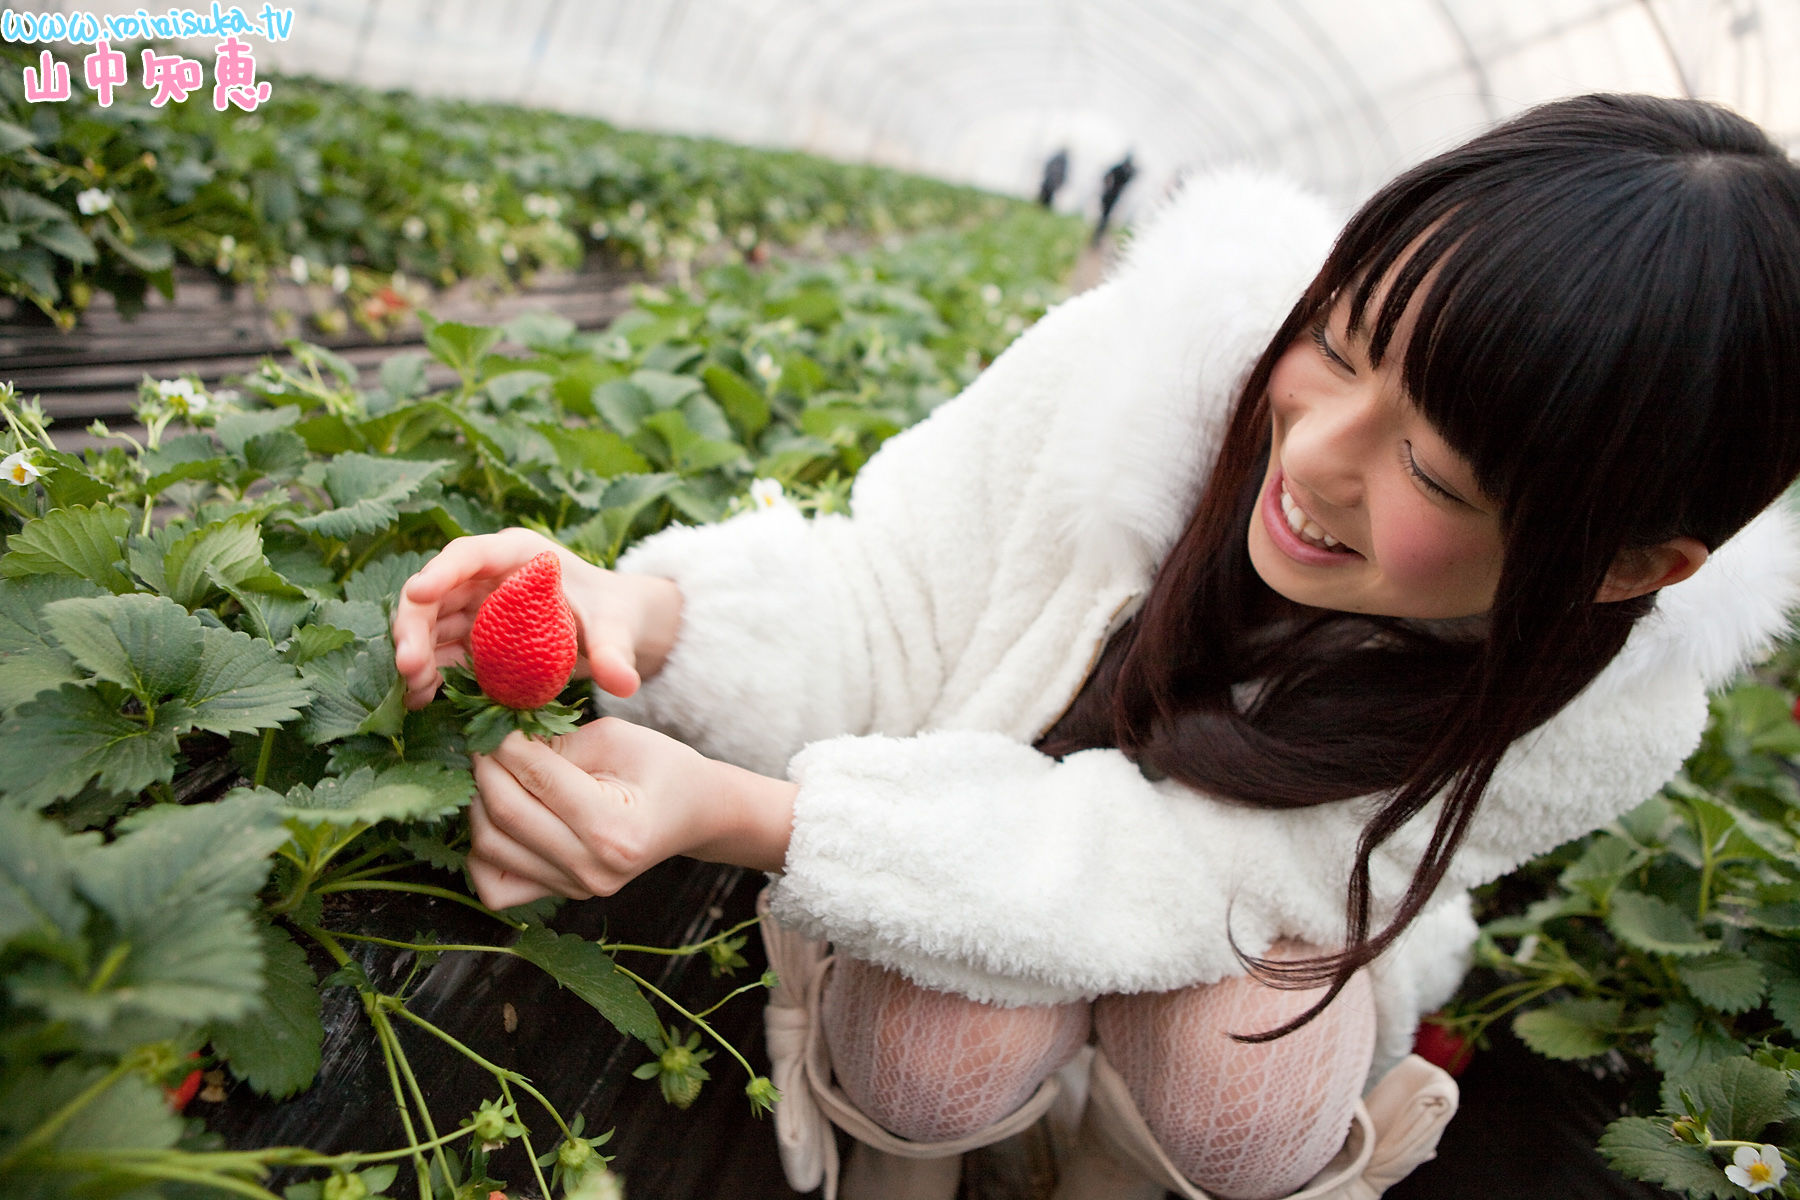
{"points": [[754, 659]]}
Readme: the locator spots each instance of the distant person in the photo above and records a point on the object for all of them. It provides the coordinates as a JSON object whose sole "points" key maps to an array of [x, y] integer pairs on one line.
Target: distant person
{"points": [[1056, 172], [1112, 184]]}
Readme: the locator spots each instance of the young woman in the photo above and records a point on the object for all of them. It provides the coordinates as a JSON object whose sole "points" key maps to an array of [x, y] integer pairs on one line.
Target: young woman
{"points": [[1176, 680]]}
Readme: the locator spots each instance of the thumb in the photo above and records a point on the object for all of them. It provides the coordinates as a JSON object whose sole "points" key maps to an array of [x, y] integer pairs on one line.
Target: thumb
{"points": [[613, 667]]}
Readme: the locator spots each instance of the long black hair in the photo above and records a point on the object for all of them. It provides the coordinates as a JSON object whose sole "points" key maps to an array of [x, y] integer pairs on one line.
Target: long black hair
{"points": [[1608, 330]]}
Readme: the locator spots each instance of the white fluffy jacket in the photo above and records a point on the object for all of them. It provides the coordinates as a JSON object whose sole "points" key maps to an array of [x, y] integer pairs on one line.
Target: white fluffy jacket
{"points": [[899, 662]]}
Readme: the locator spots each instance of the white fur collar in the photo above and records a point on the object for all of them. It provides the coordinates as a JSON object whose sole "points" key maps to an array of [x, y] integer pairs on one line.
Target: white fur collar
{"points": [[1203, 285]]}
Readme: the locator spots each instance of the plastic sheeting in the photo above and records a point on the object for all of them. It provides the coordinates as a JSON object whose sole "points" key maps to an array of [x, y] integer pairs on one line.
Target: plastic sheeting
{"points": [[1340, 92]]}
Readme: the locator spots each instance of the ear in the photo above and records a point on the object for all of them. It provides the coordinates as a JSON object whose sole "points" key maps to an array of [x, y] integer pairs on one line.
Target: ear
{"points": [[1635, 572]]}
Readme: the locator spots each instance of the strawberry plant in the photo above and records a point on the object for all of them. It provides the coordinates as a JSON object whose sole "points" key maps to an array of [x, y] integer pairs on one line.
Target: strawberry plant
{"points": [[211, 754], [111, 199], [1668, 943]]}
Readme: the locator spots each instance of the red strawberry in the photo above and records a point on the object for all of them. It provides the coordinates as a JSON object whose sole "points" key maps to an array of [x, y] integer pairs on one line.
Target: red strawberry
{"points": [[523, 639], [1442, 1046]]}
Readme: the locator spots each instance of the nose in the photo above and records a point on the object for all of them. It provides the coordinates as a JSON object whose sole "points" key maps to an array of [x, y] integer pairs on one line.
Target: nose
{"points": [[1326, 449]]}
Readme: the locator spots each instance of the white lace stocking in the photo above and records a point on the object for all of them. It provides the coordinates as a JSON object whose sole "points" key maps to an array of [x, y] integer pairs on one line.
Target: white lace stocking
{"points": [[930, 1066], [1245, 1121]]}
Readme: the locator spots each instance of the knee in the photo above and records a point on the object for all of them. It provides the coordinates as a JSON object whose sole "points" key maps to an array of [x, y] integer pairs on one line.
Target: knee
{"points": [[934, 1066]]}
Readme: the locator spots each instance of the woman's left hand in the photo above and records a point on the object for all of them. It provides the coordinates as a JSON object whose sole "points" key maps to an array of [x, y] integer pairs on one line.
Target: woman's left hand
{"points": [[585, 813]]}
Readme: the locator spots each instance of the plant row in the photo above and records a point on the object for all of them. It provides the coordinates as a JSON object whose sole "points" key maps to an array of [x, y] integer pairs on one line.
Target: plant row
{"points": [[365, 196]]}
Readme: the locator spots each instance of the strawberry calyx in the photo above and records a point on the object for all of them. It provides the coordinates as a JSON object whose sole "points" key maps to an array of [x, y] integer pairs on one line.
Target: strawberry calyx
{"points": [[487, 722]]}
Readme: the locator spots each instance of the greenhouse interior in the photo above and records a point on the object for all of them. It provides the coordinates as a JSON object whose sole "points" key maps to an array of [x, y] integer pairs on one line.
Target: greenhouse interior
{"points": [[393, 390]]}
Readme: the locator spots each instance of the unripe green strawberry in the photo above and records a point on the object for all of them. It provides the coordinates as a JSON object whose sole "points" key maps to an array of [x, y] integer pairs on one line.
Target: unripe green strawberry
{"points": [[523, 639]]}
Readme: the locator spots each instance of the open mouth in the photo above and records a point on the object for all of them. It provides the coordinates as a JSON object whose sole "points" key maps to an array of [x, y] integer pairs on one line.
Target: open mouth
{"points": [[1305, 528]]}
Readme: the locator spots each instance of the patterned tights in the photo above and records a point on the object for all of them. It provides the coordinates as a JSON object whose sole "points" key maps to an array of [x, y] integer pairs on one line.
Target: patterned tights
{"points": [[1244, 1122]]}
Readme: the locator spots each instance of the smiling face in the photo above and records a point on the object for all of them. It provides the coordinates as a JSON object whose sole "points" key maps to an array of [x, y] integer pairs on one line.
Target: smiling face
{"points": [[1364, 507]]}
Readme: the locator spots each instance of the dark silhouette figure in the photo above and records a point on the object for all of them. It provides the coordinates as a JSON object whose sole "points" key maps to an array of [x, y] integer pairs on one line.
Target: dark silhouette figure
{"points": [[1111, 185], [1056, 171]]}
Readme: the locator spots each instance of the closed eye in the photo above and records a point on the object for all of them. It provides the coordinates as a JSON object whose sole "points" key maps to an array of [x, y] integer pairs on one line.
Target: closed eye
{"points": [[1432, 485], [1324, 345]]}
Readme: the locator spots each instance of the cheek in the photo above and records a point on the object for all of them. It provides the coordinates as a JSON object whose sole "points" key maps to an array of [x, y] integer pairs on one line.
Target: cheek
{"points": [[1431, 554]]}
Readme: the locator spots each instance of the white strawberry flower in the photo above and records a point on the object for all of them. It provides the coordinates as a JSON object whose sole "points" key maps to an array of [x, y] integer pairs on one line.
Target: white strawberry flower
{"points": [[1757, 1170], [19, 470], [93, 201], [767, 493], [340, 279], [184, 395], [298, 269], [413, 228]]}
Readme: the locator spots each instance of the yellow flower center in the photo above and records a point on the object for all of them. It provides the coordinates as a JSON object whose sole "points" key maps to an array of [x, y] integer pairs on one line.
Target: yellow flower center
{"points": [[19, 474], [1759, 1172]]}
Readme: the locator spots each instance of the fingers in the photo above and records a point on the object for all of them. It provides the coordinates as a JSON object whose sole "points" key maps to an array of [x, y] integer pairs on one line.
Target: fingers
{"points": [[500, 890], [504, 857]]}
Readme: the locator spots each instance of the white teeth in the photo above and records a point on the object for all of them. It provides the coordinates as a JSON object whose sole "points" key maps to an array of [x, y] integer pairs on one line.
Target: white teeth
{"points": [[1303, 525]]}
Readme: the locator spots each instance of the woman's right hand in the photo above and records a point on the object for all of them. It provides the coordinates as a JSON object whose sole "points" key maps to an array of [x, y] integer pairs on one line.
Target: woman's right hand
{"points": [[626, 623]]}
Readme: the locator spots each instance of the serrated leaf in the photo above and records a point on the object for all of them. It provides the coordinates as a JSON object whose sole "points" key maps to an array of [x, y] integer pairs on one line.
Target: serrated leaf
{"points": [[1727, 981], [148, 645], [1652, 923], [588, 971], [74, 735], [224, 554], [664, 389], [459, 346], [236, 430], [408, 792], [353, 691], [242, 685], [131, 1114], [1784, 990], [190, 456], [315, 641], [30, 660], [37, 877], [1571, 1029], [276, 1048], [366, 490], [1686, 1038], [622, 405], [689, 452], [1603, 865], [380, 581], [65, 239], [88, 543], [1639, 1148], [599, 452], [1739, 1097], [178, 884]]}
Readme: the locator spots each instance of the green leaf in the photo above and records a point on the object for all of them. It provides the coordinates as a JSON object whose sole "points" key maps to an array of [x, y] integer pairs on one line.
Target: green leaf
{"points": [[622, 405], [459, 346], [148, 645], [366, 490], [689, 452], [1639, 1148], [30, 661], [599, 452], [588, 971], [315, 641], [1603, 866], [664, 389], [14, 138], [190, 456], [87, 543], [76, 734], [147, 256], [1686, 1038], [1727, 981], [242, 685], [1783, 966], [178, 884], [408, 792], [130, 1114], [224, 554], [743, 402], [1739, 1097], [37, 879], [1654, 924], [236, 430], [380, 581], [1571, 1029], [276, 1048], [356, 690], [66, 240]]}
